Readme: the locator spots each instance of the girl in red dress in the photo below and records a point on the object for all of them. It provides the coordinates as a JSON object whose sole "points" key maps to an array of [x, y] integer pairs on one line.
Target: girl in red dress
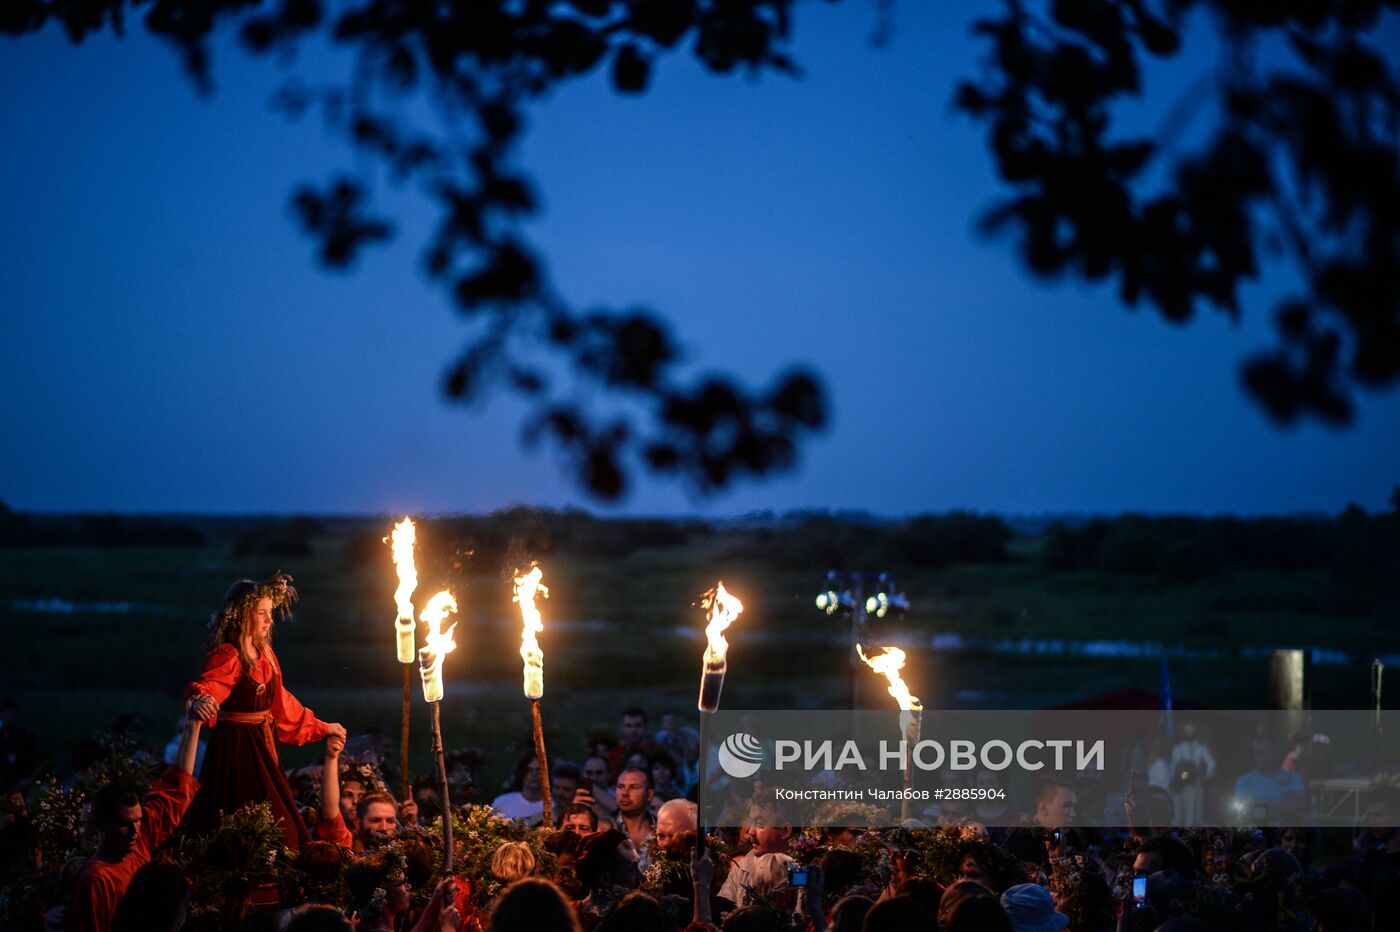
{"points": [[241, 697]]}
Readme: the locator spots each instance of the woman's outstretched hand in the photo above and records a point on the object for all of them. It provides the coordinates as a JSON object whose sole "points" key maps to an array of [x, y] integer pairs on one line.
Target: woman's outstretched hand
{"points": [[336, 729], [201, 708]]}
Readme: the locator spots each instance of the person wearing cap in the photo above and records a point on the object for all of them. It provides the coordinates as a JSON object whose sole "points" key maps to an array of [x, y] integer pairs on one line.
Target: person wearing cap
{"points": [[1030, 908]]}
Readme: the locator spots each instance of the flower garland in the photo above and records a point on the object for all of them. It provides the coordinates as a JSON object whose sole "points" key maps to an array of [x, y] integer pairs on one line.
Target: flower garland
{"points": [[477, 832], [669, 873], [395, 871], [943, 850], [243, 852], [59, 818]]}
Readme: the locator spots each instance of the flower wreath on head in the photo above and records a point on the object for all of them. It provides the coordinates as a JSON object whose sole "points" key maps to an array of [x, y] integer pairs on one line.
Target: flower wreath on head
{"points": [[366, 773], [395, 873], [277, 587], [1066, 875]]}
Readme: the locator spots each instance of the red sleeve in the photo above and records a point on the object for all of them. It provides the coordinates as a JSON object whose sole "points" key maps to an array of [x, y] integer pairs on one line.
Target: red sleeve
{"points": [[222, 669], [334, 831], [163, 809], [296, 724]]}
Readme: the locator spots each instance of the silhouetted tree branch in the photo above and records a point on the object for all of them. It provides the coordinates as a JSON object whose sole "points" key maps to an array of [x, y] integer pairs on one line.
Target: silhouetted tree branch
{"points": [[1303, 162], [478, 64]]}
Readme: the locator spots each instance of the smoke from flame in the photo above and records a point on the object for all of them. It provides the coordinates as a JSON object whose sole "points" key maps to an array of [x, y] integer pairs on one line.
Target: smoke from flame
{"points": [[526, 589], [437, 643]]}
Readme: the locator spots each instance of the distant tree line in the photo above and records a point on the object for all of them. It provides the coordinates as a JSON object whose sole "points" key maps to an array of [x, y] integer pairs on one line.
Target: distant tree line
{"points": [[513, 536], [1357, 548], [281, 537], [93, 530], [821, 540]]}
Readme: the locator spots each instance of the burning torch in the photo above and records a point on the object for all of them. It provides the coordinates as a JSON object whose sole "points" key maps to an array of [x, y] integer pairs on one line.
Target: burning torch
{"points": [[437, 644], [911, 709], [723, 608], [527, 588], [401, 540]]}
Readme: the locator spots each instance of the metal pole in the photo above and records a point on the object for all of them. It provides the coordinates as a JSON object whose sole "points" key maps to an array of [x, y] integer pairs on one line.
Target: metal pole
{"points": [[442, 781], [544, 763], [1377, 674]]}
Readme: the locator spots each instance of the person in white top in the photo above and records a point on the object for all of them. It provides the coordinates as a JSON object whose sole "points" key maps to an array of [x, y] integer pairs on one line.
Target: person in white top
{"points": [[527, 801], [1192, 765], [756, 872]]}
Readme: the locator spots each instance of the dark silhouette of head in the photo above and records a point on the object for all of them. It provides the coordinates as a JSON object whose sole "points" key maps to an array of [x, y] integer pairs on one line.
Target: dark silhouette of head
{"points": [[156, 901], [532, 905]]}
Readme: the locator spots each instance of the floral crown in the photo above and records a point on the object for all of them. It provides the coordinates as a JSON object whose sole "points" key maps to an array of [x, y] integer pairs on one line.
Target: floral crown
{"points": [[246, 593], [395, 867], [366, 773]]}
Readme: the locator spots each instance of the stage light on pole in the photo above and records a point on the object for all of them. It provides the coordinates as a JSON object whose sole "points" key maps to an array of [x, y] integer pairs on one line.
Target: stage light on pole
{"points": [[834, 601], [884, 604], [887, 600]]}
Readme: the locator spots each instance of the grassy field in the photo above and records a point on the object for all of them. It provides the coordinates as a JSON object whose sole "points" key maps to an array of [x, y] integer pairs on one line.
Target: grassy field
{"points": [[91, 633]]}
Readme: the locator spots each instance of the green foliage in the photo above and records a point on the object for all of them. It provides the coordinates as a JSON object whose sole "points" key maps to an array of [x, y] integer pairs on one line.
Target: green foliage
{"points": [[941, 853], [477, 831], [59, 818], [243, 852]]}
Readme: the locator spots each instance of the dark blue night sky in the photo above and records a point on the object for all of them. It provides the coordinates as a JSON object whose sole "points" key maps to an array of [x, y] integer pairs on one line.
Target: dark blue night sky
{"points": [[172, 345]]}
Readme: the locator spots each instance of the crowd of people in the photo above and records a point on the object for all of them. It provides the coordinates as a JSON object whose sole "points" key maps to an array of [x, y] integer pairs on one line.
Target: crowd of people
{"points": [[123, 841], [624, 852]]}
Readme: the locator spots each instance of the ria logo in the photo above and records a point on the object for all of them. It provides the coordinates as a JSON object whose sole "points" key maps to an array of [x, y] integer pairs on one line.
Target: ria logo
{"points": [[740, 755]]}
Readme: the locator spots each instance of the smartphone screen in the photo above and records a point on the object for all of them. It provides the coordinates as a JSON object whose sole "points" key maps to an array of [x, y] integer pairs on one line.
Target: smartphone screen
{"points": [[1139, 890]]}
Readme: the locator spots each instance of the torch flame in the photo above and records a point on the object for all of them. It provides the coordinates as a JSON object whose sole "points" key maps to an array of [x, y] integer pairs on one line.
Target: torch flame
{"points": [[436, 644], [724, 608], [526, 588], [402, 541], [889, 664]]}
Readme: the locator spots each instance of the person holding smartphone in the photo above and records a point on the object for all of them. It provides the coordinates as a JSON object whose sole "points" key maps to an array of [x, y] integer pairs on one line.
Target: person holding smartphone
{"points": [[595, 790]]}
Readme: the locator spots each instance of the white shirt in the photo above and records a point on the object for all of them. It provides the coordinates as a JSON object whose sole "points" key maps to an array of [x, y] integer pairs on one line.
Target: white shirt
{"points": [[515, 806], [763, 872]]}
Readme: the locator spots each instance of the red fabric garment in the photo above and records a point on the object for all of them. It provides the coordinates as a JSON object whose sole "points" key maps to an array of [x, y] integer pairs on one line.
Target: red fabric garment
{"points": [[334, 831], [296, 724], [101, 886], [241, 764]]}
